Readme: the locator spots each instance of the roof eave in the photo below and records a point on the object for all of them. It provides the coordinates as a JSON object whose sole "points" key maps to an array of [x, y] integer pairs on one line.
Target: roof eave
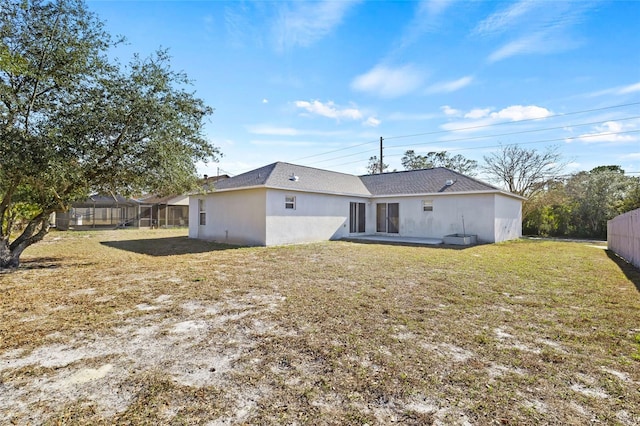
{"points": [[314, 191], [439, 194]]}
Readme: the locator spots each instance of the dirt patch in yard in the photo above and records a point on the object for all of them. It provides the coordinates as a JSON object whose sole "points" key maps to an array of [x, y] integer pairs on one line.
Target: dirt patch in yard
{"points": [[199, 345], [527, 332]]}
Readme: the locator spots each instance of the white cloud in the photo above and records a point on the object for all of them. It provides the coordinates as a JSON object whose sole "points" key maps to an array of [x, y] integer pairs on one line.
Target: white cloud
{"points": [[329, 110], [533, 27], [620, 90], [265, 101], [504, 19], [450, 86], [389, 82], [611, 132], [520, 112], [480, 117], [522, 45], [372, 122], [477, 113], [303, 23], [435, 7], [449, 111], [540, 43], [630, 89], [427, 18]]}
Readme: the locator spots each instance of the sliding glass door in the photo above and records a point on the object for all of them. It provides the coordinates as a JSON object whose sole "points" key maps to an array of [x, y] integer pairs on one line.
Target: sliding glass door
{"points": [[388, 218], [357, 217]]}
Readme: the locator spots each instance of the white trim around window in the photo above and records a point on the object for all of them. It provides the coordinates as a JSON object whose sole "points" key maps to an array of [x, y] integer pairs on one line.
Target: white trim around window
{"points": [[290, 202], [202, 213]]}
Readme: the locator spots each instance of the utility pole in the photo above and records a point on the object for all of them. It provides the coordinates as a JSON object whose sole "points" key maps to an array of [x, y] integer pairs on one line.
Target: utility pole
{"points": [[381, 163]]}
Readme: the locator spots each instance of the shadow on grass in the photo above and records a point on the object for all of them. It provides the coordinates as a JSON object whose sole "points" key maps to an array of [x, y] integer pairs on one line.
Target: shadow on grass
{"points": [[41, 263], [167, 246], [410, 244], [631, 272]]}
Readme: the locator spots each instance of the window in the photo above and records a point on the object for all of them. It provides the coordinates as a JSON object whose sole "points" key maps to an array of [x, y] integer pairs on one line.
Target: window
{"points": [[356, 217], [203, 213], [290, 202], [427, 205]]}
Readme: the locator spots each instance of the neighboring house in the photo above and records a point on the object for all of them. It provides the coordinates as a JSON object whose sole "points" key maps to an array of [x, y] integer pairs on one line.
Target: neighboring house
{"points": [[167, 212], [116, 211], [173, 210], [99, 211], [285, 203]]}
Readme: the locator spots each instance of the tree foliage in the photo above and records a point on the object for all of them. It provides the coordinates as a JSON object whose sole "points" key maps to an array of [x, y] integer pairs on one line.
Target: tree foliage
{"points": [[73, 122], [374, 166], [581, 204], [413, 161]]}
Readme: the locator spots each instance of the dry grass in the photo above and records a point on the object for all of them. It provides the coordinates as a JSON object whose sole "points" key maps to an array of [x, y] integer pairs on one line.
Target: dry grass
{"points": [[148, 327]]}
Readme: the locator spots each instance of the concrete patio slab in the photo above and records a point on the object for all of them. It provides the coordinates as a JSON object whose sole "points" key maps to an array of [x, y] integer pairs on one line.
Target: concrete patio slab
{"points": [[388, 239]]}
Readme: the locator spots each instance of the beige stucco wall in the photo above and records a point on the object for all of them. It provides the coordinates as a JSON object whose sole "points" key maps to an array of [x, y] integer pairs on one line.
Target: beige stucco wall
{"points": [[446, 217], [234, 217], [259, 216], [508, 218], [317, 217]]}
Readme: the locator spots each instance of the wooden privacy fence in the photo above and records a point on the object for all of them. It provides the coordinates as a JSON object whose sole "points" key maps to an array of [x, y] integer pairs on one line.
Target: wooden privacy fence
{"points": [[623, 236]]}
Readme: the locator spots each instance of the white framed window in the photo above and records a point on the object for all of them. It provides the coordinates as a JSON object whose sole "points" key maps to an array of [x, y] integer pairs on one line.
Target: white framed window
{"points": [[427, 205], [202, 213], [290, 202]]}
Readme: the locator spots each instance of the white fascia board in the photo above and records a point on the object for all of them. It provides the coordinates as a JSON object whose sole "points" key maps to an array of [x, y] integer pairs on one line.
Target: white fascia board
{"points": [[311, 191], [443, 194], [345, 194]]}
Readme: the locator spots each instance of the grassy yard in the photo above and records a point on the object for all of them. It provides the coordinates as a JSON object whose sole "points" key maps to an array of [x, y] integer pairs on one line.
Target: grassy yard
{"points": [[148, 327]]}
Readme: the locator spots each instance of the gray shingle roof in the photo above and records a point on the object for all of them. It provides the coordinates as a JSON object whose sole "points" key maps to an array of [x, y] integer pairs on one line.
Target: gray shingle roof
{"points": [[102, 200], [426, 181], [282, 175]]}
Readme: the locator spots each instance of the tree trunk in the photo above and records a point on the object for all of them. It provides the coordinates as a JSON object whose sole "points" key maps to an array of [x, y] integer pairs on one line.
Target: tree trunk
{"points": [[8, 259], [34, 232]]}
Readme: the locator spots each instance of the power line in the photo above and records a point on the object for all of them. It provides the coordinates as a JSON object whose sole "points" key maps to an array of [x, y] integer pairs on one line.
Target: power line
{"points": [[540, 141], [479, 127], [513, 133], [499, 145], [512, 122], [335, 150]]}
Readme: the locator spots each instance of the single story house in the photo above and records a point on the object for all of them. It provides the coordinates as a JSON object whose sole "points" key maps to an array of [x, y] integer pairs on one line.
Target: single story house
{"points": [[285, 203]]}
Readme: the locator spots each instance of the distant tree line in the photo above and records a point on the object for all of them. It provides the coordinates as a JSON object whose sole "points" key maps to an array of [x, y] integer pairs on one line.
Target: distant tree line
{"points": [[580, 204]]}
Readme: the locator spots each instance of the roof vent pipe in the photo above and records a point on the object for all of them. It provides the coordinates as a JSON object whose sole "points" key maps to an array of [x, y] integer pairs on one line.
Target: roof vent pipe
{"points": [[293, 177], [449, 182]]}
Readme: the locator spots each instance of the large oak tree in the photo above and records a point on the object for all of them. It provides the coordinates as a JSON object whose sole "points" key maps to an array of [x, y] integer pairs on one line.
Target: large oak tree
{"points": [[73, 122]]}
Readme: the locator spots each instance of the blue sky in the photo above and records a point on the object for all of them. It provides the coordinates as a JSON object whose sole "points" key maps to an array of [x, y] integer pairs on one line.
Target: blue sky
{"points": [[318, 83]]}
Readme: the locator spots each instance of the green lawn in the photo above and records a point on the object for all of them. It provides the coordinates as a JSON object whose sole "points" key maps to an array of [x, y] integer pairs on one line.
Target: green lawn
{"points": [[149, 327]]}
